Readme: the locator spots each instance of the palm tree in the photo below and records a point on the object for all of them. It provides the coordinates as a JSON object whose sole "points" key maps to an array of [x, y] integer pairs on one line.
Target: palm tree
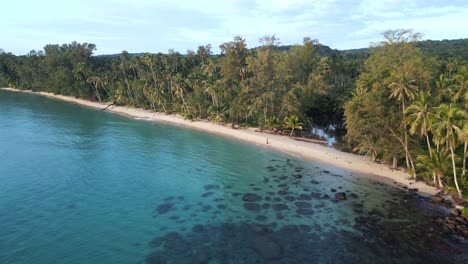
{"points": [[437, 163], [446, 129], [179, 91], [459, 89], [403, 90], [418, 118], [293, 123]]}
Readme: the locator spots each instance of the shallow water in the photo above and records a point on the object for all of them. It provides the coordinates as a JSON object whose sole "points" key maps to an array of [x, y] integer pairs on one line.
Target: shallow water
{"points": [[83, 186]]}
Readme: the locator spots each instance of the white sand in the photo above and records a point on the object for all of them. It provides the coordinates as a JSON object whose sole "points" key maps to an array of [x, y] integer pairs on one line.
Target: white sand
{"points": [[306, 150]]}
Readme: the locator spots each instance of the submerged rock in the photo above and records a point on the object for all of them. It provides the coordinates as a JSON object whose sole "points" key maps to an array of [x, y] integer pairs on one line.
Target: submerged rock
{"points": [[252, 206], [279, 207], [207, 194], [165, 208], [302, 205], [209, 187], [340, 196], [251, 197], [267, 247], [305, 211]]}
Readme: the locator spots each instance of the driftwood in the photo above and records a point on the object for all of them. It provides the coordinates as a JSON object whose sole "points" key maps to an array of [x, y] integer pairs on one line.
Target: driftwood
{"points": [[310, 140], [108, 106]]}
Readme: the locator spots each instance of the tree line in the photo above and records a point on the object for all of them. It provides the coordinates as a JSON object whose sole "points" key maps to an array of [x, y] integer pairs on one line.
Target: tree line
{"points": [[399, 104]]}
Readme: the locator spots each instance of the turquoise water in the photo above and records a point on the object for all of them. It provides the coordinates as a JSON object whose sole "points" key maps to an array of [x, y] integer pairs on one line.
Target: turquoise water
{"points": [[84, 186]]}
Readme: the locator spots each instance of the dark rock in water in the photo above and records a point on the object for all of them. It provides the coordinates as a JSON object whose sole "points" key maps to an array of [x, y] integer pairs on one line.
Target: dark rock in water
{"points": [[303, 204], [315, 195], [325, 196], [217, 200], [314, 182], [267, 198], [305, 228], [277, 199], [289, 198], [207, 194], [448, 200], [283, 178], [257, 189], [413, 189], [297, 176], [340, 196], [267, 247], [279, 207], [454, 212], [282, 192], [202, 255], [266, 180], [198, 228], [325, 171], [252, 206], [156, 258], [332, 190], [221, 206], [156, 242], [320, 205], [266, 206], [209, 187], [279, 216], [353, 195], [169, 198], [305, 197], [251, 197], [164, 208], [206, 208], [305, 211], [436, 199], [261, 218], [282, 185], [290, 229]]}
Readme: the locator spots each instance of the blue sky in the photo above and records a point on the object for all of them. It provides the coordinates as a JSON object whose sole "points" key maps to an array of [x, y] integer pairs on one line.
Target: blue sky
{"points": [[158, 25]]}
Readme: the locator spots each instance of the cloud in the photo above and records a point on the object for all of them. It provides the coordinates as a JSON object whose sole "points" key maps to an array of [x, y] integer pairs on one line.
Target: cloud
{"points": [[156, 26]]}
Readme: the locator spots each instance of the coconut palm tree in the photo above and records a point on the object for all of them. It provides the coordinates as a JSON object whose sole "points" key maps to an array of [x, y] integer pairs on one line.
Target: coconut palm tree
{"points": [[459, 89], [447, 129], [418, 116], [293, 123], [403, 89], [437, 163]]}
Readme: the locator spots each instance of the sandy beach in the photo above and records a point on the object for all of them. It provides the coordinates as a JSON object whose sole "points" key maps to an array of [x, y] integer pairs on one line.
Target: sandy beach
{"points": [[306, 150]]}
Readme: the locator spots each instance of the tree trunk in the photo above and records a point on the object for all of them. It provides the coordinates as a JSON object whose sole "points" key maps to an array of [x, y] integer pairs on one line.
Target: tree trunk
{"points": [[395, 162], [464, 159], [439, 178], [429, 145], [455, 171]]}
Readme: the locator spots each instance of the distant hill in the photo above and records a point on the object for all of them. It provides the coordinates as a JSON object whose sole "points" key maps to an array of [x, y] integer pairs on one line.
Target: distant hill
{"points": [[439, 48]]}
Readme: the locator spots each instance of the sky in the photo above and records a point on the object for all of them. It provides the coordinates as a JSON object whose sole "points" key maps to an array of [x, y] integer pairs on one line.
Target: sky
{"points": [[159, 25]]}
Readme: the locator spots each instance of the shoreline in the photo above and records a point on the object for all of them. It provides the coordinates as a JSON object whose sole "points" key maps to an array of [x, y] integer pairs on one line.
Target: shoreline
{"points": [[302, 149]]}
